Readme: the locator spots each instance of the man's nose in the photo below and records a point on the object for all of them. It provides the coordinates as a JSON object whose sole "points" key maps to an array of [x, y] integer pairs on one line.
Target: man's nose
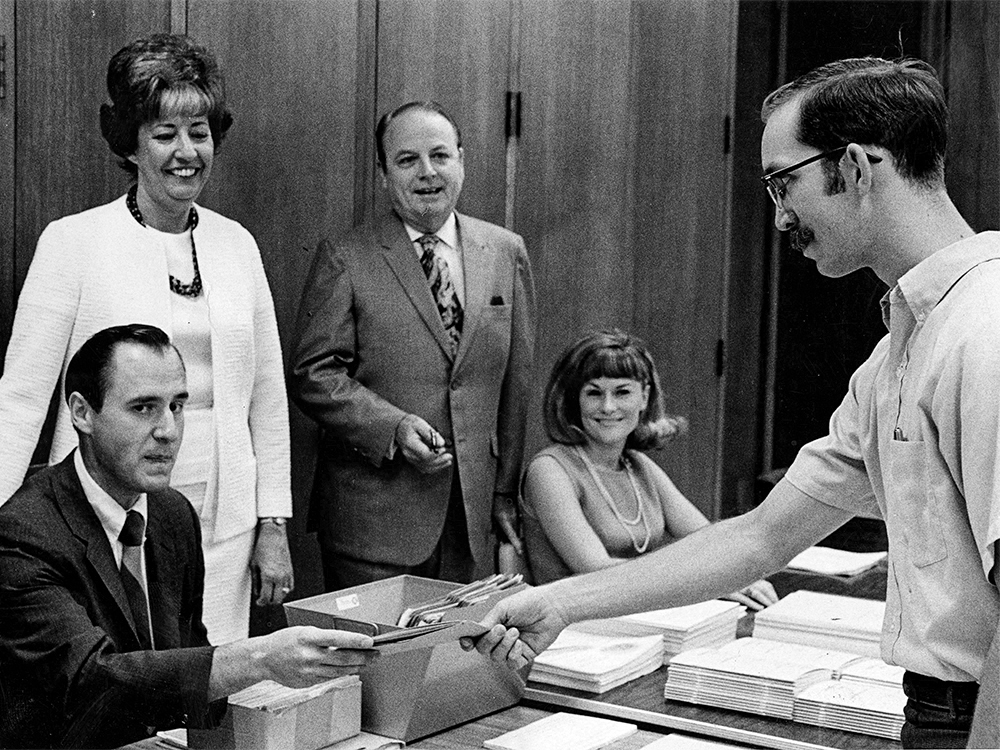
{"points": [[426, 167], [167, 427], [784, 219]]}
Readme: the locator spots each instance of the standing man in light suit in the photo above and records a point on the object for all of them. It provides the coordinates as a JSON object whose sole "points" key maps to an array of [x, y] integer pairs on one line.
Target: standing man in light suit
{"points": [[414, 355]]}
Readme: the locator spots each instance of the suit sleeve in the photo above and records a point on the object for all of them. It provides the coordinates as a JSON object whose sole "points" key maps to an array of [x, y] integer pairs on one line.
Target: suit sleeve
{"points": [[516, 388], [325, 359], [43, 325], [55, 650]]}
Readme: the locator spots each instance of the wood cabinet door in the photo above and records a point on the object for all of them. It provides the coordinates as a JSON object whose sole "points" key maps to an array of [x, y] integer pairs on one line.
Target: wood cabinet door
{"points": [[621, 194], [56, 59], [455, 52]]}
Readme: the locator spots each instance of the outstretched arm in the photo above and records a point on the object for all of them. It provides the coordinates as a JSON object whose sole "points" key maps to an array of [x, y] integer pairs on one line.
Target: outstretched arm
{"points": [[710, 562]]}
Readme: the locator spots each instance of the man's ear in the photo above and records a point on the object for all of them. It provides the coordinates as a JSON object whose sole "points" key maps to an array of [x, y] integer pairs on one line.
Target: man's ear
{"points": [[80, 413], [858, 167]]}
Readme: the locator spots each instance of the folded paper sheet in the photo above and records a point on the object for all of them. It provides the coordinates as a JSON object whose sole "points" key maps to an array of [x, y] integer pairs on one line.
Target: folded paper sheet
{"points": [[562, 731]]}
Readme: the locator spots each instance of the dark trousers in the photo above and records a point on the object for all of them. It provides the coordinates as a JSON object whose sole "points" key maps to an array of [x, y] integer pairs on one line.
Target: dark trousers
{"points": [[451, 560], [938, 713]]}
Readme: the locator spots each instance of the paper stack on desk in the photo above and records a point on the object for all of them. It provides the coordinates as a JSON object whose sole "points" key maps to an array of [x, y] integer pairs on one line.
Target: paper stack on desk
{"points": [[705, 624], [563, 731], [596, 663], [751, 674], [841, 623], [853, 706], [836, 562]]}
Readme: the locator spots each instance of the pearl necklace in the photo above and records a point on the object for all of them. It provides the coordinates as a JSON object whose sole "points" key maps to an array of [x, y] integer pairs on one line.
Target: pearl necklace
{"points": [[627, 523], [176, 286]]}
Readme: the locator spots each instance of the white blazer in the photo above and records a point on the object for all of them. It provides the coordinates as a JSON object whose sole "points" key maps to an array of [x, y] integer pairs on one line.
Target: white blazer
{"points": [[97, 269]]}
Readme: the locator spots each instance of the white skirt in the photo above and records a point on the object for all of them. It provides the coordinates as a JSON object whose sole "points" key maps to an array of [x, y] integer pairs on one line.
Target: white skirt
{"points": [[226, 603]]}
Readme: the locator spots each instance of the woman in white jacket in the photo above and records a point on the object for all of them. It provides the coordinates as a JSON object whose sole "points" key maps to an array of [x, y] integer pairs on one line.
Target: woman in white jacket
{"points": [[153, 256]]}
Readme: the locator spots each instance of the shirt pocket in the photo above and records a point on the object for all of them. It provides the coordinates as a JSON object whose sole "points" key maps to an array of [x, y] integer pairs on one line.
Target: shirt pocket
{"points": [[912, 501]]}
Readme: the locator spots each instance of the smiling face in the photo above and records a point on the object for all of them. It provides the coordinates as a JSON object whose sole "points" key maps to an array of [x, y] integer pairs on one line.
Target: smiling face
{"points": [[610, 409], [822, 222], [130, 445], [174, 156], [424, 168]]}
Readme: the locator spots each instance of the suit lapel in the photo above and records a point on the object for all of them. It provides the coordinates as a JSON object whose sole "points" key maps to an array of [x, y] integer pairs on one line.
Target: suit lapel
{"points": [[479, 263], [402, 259], [160, 557], [84, 524]]}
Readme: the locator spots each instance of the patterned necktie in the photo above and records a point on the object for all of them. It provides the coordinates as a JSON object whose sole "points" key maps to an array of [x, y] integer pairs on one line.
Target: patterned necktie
{"points": [[131, 571], [443, 291]]}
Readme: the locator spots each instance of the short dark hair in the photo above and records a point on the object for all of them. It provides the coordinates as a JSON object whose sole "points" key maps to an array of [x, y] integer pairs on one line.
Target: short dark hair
{"points": [[606, 354], [156, 71], [422, 106], [896, 104], [89, 370]]}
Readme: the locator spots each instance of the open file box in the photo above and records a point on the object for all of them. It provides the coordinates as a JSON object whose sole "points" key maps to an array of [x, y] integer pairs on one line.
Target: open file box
{"points": [[413, 689]]}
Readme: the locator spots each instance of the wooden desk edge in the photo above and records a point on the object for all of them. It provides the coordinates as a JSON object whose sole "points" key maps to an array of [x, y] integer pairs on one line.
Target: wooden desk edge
{"points": [[543, 699]]}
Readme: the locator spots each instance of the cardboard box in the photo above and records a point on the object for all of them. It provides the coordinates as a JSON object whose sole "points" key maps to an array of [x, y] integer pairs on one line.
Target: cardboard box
{"points": [[424, 685], [268, 716]]}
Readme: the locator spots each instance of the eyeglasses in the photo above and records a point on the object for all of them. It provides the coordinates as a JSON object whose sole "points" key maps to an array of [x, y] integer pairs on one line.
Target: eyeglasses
{"points": [[777, 185]]}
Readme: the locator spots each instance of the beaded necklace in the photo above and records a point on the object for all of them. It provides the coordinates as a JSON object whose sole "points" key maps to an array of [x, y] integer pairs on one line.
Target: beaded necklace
{"points": [[176, 286], [627, 523]]}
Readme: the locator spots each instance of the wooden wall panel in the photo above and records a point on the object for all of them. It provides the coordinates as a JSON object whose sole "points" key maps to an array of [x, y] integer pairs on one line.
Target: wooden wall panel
{"points": [[287, 168], [455, 52], [7, 88], [63, 165], [574, 195], [684, 82], [972, 78]]}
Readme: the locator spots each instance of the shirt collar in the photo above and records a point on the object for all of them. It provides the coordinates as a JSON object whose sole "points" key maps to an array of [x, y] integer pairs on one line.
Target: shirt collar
{"points": [[927, 283], [109, 512], [447, 233]]}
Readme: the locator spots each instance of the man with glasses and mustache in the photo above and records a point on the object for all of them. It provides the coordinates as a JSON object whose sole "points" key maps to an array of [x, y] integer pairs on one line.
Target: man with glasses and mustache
{"points": [[854, 159]]}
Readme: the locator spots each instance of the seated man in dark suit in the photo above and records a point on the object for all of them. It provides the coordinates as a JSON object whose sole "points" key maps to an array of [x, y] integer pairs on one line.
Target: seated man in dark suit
{"points": [[101, 637]]}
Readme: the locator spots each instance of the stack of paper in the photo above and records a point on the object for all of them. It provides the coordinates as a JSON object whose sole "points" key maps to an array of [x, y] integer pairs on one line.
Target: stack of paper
{"points": [[706, 624], [562, 731], [840, 623], [835, 562], [751, 674], [596, 663], [853, 706]]}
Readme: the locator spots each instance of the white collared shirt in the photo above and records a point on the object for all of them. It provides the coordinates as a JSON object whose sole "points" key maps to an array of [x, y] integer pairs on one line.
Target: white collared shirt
{"points": [[448, 248], [109, 512]]}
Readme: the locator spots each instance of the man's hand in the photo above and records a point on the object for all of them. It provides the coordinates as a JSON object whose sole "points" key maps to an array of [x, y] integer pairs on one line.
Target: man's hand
{"points": [[506, 521], [303, 656], [422, 445], [271, 564], [520, 627], [756, 596]]}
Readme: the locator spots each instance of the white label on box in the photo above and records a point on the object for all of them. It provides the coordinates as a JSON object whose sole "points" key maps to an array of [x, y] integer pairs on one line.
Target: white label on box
{"points": [[347, 602]]}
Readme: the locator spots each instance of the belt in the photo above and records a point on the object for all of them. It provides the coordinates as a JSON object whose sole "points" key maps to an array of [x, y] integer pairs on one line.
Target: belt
{"points": [[955, 696]]}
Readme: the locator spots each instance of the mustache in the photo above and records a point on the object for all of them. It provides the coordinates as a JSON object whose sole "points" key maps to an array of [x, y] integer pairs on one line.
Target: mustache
{"points": [[801, 237]]}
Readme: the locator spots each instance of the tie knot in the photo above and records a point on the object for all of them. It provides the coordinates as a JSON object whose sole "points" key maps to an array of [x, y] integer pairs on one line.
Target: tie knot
{"points": [[131, 535], [427, 242]]}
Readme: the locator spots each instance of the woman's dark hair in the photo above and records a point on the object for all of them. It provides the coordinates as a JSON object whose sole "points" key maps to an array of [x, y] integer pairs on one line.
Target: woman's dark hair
{"points": [[606, 354], [157, 74]]}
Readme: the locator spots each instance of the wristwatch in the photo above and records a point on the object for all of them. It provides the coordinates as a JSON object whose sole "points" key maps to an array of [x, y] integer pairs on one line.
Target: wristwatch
{"points": [[276, 520]]}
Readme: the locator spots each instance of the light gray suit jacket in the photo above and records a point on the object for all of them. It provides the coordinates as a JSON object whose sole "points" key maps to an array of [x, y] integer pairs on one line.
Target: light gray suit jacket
{"points": [[372, 349]]}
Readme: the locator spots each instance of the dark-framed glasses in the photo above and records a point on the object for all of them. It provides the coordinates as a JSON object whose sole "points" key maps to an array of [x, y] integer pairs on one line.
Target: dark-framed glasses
{"points": [[777, 185]]}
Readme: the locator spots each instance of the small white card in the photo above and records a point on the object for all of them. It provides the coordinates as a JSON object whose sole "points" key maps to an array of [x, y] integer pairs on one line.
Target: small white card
{"points": [[562, 731]]}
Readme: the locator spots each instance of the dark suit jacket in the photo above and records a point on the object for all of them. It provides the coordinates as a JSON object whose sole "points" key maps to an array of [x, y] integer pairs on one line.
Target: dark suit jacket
{"points": [[372, 349], [70, 671]]}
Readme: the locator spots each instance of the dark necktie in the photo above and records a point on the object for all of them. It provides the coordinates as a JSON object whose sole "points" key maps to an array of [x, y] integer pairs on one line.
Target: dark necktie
{"points": [[131, 571], [442, 288]]}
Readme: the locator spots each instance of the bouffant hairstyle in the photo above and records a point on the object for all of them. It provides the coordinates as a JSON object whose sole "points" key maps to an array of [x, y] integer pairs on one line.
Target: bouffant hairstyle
{"points": [[159, 74], [606, 354]]}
